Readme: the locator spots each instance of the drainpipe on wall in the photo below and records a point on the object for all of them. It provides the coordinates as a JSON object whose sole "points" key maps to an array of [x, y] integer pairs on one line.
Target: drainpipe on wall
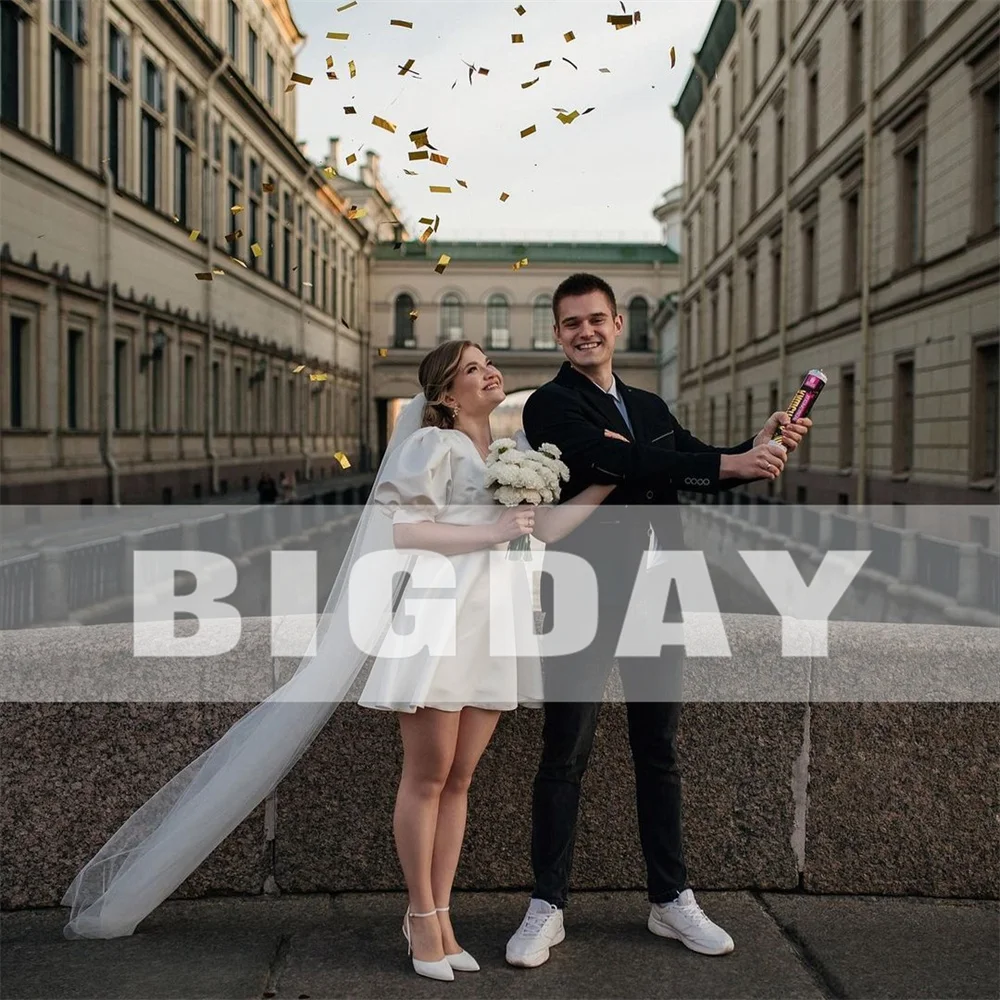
{"points": [[107, 400], [786, 214], [867, 186], [210, 452], [702, 268], [737, 189]]}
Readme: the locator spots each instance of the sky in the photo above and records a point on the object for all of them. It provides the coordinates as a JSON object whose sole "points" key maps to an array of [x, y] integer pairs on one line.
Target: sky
{"points": [[597, 178]]}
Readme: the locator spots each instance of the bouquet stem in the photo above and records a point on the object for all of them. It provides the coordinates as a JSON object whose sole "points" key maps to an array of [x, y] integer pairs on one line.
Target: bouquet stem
{"points": [[519, 548]]}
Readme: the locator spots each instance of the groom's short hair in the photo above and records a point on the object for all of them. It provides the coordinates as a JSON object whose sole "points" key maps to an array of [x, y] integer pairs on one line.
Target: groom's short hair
{"points": [[582, 284]]}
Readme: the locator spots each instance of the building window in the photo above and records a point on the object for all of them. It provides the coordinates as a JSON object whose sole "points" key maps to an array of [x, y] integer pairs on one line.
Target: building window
{"points": [[21, 381], [910, 206], [236, 166], [68, 17], [403, 335], [286, 243], [252, 57], [855, 62], [730, 309], [809, 261], [184, 137], [292, 397], [986, 167], [751, 317], [232, 29], [812, 106], [542, 322], [158, 391], [690, 165], [65, 96], [913, 25], [189, 389], [76, 379], [217, 410], [238, 400], [851, 265], [497, 323], [119, 80], [846, 437], [732, 203], [779, 153], [753, 181], [902, 418], [748, 425], [734, 107], [269, 79], [254, 213], [781, 27], [272, 234], [711, 421], [150, 126], [776, 259], [713, 328], [755, 62], [452, 325], [717, 122], [14, 49], [715, 219], [120, 374], [985, 401], [638, 324]]}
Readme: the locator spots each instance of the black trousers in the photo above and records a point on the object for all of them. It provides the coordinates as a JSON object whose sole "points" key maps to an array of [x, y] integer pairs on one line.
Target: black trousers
{"points": [[574, 692]]}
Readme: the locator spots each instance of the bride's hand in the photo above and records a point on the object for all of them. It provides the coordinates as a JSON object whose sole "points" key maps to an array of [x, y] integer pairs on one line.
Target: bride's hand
{"points": [[514, 522], [616, 436]]}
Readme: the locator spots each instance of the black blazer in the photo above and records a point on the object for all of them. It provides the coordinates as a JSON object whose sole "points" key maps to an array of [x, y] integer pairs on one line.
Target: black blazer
{"points": [[572, 413]]}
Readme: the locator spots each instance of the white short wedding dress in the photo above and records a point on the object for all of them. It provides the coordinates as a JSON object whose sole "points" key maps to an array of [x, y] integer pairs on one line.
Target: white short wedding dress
{"points": [[439, 475]]}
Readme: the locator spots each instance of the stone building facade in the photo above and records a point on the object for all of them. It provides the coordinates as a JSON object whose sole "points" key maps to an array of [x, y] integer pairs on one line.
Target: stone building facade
{"points": [[842, 211]]}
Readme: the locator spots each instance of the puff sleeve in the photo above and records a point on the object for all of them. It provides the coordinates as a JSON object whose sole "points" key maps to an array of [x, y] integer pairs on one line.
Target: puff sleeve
{"points": [[417, 484]]}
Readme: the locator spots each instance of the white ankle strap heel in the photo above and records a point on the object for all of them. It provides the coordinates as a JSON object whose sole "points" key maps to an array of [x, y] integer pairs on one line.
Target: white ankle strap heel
{"points": [[463, 961], [441, 969]]}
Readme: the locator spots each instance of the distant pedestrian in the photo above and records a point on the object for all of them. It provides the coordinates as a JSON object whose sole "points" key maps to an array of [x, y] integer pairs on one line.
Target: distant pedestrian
{"points": [[267, 489], [287, 484]]}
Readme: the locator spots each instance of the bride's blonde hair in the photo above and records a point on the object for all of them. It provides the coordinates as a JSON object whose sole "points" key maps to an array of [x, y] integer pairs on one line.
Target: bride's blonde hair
{"points": [[437, 375]]}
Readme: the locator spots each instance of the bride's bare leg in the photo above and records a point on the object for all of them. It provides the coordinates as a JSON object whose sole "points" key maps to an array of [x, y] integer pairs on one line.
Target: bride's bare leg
{"points": [[429, 743], [474, 732]]}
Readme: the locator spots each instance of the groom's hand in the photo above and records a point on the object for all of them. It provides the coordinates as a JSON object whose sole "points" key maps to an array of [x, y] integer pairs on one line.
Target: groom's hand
{"points": [[791, 433], [616, 436], [763, 461]]}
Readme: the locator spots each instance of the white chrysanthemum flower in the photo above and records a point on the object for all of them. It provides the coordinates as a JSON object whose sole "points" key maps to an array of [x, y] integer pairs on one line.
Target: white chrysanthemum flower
{"points": [[502, 445], [551, 450]]}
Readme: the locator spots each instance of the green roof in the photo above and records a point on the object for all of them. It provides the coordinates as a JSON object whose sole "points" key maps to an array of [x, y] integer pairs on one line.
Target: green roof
{"points": [[550, 253], [708, 57]]}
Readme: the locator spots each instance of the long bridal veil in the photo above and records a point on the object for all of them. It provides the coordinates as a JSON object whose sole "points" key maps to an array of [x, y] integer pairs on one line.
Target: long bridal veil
{"points": [[166, 839]]}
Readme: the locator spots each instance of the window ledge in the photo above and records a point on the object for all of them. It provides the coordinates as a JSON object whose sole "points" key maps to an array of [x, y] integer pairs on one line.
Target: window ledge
{"points": [[900, 477], [984, 485]]}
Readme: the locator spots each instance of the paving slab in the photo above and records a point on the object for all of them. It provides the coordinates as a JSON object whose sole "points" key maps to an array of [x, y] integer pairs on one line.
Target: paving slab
{"points": [[878, 947], [608, 953]]}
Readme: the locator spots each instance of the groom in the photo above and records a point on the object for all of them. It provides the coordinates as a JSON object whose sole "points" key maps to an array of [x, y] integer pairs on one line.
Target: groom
{"points": [[658, 458]]}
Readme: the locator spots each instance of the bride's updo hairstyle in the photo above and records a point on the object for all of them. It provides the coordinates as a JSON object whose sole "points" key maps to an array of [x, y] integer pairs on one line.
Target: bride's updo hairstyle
{"points": [[437, 374]]}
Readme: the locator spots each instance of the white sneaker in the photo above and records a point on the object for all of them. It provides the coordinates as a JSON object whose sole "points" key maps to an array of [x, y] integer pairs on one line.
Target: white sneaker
{"points": [[541, 929], [685, 921]]}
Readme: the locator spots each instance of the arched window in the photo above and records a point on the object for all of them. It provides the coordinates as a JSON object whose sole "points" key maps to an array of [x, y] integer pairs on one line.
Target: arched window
{"points": [[452, 327], [403, 335], [541, 324], [497, 323], [638, 324]]}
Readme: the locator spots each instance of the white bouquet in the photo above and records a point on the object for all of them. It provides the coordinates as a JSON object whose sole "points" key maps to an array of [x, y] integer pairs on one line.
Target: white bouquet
{"points": [[516, 474]]}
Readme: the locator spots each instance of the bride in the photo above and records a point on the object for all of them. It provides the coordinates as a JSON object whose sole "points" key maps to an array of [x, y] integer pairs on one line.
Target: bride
{"points": [[429, 495]]}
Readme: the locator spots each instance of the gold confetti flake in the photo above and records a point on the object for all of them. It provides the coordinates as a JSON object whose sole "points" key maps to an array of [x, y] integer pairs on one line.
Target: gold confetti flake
{"points": [[437, 219], [405, 68], [439, 158], [569, 36], [382, 123], [256, 250], [570, 61], [426, 234], [604, 69], [483, 71], [414, 314], [440, 189], [443, 261], [461, 182], [519, 10], [345, 462], [383, 352], [352, 68], [349, 110], [217, 270], [195, 233], [620, 20], [329, 62], [637, 17], [299, 78], [329, 171], [543, 64], [352, 158], [347, 6], [516, 39], [426, 222], [568, 119], [418, 154], [525, 132], [504, 196], [236, 209], [235, 235], [419, 138], [176, 218], [330, 75], [357, 213], [412, 173], [289, 88], [236, 260], [673, 56], [203, 275], [338, 36], [530, 83], [518, 264], [401, 24], [297, 369], [268, 187]]}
